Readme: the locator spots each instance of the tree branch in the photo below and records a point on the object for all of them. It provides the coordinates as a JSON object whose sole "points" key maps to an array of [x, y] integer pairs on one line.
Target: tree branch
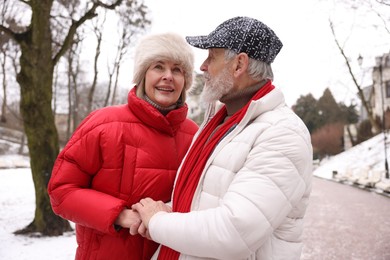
{"points": [[76, 24], [8, 31], [360, 91], [344, 56], [382, 2], [111, 6], [26, 2], [383, 21]]}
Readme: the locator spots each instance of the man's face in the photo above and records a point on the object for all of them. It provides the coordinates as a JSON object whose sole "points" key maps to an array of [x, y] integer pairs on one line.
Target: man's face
{"points": [[217, 75]]}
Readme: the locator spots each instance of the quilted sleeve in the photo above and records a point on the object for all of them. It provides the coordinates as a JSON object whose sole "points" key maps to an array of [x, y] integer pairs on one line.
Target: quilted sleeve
{"points": [[69, 187]]}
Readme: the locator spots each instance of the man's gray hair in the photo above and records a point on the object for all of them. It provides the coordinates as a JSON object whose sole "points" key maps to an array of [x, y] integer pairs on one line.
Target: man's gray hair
{"points": [[257, 69]]}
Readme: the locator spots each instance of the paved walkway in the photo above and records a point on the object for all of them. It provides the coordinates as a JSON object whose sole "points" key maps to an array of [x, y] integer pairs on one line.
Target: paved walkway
{"points": [[345, 222]]}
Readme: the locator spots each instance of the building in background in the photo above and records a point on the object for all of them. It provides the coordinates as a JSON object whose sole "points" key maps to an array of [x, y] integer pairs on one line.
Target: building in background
{"points": [[378, 97], [381, 83], [378, 94]]}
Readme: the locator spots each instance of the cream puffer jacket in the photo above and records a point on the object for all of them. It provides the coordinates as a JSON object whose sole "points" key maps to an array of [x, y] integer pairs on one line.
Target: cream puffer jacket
{"points": [[253, 193]]}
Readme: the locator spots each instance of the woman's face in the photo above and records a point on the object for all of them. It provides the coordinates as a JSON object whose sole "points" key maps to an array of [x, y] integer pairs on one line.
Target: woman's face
{"points": [[164, 82]]}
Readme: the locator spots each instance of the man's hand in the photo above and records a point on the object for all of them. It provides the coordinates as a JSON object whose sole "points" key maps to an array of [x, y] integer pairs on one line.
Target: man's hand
{"points": [[147, 208]]}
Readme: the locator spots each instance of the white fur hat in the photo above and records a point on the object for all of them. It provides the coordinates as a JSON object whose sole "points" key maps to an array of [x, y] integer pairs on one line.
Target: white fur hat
{"points": [[165, 46]]}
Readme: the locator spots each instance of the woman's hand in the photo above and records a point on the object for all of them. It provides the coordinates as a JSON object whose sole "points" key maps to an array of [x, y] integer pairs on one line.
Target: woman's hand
{"points": [[147, 208], [128, 218]]}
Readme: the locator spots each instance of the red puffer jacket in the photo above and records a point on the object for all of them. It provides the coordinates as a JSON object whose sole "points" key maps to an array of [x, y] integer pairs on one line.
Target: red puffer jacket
{"points": [[117, 156]]}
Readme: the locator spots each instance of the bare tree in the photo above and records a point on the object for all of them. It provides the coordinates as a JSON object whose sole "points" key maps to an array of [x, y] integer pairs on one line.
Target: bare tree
{"points": [[365, 104], [98, 31], [8, 52], [370, 7], [71, 95], [41, 49], [3, 40], [3, 59], [55, 88], [130, 24]]}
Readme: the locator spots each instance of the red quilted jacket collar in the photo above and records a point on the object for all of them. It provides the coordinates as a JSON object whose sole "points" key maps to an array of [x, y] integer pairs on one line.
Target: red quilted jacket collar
{"points": [[149, 115]]}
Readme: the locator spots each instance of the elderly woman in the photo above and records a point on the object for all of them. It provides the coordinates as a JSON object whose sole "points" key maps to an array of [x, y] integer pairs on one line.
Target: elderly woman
{"points": [[121, 154]]}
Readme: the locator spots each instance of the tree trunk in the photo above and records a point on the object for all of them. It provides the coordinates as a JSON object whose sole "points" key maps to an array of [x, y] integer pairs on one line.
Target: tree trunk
{"points": [[35, 80], [22, 143], [365, 103], [350, 136], [3, 118], [70, 105], [95, 69]]}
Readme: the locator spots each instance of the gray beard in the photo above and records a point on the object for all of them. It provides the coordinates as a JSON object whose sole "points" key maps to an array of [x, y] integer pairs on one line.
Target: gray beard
{"points": [[215, 89]]}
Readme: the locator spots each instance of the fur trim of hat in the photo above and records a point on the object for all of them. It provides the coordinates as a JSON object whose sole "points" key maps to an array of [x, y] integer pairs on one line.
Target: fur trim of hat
{"points": [[164, 46]]}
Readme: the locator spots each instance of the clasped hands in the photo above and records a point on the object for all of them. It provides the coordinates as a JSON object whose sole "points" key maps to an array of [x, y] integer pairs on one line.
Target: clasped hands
{"points": [[137, 218]]}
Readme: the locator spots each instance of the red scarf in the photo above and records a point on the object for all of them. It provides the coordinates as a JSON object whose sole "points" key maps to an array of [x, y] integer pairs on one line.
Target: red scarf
{"points": [[196, 159]]}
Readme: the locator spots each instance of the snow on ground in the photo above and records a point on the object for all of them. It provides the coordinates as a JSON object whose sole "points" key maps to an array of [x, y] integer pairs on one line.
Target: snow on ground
{"points": [[17, 201], [17, 205], [14, 161], [370, 153]]}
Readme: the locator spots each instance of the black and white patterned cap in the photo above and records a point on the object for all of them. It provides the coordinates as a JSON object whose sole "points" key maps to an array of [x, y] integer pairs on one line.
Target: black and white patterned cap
{"points": [[242, 34]]}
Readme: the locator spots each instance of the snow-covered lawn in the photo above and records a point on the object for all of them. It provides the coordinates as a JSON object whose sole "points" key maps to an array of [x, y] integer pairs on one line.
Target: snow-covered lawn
{"points": [[17, 205]]}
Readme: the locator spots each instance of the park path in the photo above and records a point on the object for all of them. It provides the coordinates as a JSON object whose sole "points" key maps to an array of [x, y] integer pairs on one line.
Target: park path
{"points": [[345, 222]]}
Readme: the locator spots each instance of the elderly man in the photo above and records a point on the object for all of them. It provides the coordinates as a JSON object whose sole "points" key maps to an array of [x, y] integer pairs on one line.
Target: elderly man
{"points": [[243, 187]]}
